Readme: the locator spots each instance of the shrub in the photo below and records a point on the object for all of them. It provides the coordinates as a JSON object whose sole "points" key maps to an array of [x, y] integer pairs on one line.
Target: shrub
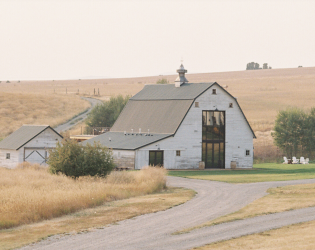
{"points": [[74, 159], [162, 81]]}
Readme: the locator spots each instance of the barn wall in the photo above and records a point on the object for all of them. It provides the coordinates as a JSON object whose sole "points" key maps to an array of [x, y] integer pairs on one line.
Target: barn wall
{"points": [[188, 138], [124, 158], [9, 163], [47, 139]]}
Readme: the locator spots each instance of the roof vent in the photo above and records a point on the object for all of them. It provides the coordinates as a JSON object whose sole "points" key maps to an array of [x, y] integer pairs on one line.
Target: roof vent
{"points": [[181, 79]]}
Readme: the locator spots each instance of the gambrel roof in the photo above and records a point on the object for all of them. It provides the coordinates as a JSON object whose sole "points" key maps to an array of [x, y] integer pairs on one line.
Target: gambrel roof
{"points": [[157, 110], [23, 135], [161, 108], [157, 116], [187, 91]]}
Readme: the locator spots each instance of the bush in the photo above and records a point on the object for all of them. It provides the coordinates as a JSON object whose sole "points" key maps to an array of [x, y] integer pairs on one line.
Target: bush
{"points": [[162, 81], [74, 159], [106, 114]]}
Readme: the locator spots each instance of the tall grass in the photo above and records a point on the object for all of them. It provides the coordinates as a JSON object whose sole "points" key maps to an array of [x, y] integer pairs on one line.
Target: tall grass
{"points": [[31, 194]]}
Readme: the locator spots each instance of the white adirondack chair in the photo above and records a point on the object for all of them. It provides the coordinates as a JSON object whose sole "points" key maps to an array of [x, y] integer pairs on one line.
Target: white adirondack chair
{"points": [[302, 160], [307, 160], [294, 160], [285, 160]]}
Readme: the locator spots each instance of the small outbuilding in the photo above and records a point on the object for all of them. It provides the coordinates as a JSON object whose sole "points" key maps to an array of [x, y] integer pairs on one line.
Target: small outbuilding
{"points": [[29, 143], [181, 126]]}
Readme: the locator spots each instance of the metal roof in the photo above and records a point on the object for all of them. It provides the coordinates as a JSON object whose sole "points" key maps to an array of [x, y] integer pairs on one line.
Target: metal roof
{"points": [[187, 91], [23, 135], [118, 140], [159, 116], [162, 107]]}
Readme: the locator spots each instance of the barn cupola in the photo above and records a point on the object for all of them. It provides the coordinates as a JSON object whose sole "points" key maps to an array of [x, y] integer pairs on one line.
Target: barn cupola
{"points": [[181, 79]]}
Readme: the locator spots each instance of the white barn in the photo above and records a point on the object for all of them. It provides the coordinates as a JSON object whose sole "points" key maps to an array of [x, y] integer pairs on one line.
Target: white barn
{"points": [[29, 143], [180, 125]]}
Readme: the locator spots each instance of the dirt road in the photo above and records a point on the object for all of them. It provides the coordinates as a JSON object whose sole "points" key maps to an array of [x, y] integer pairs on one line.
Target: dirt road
{"points": [[154, 231], [71, 123]]}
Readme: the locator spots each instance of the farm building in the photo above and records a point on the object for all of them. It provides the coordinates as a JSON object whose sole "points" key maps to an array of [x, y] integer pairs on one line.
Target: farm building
{"points": [[181, 126], [29, 143]]}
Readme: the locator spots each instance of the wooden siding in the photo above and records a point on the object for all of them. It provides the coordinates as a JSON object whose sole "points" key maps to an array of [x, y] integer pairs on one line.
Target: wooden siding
{"points": [[124, 158], [9, 163], [188, 138], [47, 139]]}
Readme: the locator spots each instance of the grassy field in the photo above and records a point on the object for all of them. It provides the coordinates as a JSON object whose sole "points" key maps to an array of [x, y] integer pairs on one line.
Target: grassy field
{"points": [[93, 218], [32, 194], [259, 173], [17, 109], [299, 236]]}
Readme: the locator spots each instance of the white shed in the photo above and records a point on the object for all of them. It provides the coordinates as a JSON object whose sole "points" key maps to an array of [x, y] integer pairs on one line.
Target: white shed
{"points": [[29, 143], [180, 125]]}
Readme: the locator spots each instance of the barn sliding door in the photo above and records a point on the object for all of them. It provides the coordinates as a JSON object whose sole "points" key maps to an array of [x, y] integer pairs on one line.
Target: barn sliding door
{"points": [[36, 155], [213, 138]]}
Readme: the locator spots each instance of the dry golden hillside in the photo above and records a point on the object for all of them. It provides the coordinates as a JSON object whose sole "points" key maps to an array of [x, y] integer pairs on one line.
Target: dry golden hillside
{"points": [[17, 109], [261, 93]]}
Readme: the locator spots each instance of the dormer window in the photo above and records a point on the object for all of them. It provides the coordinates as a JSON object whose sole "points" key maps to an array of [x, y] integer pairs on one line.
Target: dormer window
{"points": [[214, 91], [196, 104]]}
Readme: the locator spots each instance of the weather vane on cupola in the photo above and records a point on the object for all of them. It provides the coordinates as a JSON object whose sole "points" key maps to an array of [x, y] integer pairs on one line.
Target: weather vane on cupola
{"points": [[181, 79]]}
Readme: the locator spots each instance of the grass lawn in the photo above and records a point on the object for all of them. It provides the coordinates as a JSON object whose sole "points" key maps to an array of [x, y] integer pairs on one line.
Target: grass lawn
{"points": [[259, 173]]}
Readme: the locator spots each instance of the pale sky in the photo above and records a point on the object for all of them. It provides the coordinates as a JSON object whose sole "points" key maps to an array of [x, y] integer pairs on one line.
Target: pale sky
{"points": [[64, 39]]}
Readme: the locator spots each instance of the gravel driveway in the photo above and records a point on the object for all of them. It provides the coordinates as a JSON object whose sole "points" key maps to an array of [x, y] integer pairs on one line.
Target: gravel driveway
{"points": [[154, 231], [71, 123]]}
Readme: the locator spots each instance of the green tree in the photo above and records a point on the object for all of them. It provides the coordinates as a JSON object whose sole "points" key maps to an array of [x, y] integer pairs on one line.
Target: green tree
{"points": [[252, 66], [289, 130], [308, 141], [73, 159], [105, 115]]}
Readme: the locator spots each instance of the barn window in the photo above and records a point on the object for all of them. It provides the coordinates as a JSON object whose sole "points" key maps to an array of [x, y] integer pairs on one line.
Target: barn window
{"points": [[214, 91], [8, 156], [177, 152], [197, 104], [231, 105], [247, 152]]}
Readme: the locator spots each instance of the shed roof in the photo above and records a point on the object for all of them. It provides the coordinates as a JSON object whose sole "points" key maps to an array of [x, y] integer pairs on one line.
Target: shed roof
{"points": [[23, 135], [187, 91], [118, 140]]}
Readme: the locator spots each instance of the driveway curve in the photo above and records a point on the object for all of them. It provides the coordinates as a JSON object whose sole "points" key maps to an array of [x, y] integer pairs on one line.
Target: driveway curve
{"points": [[213, 199]]}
